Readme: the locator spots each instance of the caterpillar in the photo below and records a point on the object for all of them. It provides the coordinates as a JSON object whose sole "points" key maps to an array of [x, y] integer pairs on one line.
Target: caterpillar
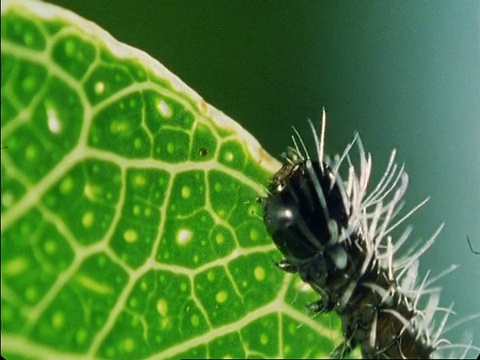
{"points": [[338, 237]]}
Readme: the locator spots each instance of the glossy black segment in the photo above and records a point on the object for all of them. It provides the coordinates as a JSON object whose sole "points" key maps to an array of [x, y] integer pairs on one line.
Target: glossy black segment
{"points": [[293, 212]]}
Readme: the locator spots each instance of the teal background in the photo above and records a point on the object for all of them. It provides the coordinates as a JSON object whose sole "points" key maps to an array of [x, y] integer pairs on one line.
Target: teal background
{"points": [[405, 74]]}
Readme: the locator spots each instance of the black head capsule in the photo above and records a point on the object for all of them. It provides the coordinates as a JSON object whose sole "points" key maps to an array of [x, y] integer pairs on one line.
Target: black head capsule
{"points": [[304, 210]]}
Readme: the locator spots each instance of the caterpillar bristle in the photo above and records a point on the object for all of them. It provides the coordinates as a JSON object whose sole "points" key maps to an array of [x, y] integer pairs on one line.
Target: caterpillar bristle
{"points": [[337, 236]]}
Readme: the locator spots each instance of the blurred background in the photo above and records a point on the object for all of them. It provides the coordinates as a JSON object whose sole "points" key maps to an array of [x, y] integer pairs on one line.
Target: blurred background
{"points": [[405, 74]]}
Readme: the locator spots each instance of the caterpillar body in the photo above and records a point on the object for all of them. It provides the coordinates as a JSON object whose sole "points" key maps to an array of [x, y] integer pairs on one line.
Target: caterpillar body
{"points": [[337, 237]]}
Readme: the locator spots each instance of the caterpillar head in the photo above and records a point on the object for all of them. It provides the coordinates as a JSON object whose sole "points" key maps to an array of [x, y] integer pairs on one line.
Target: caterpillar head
{"points": [[304, 209]]}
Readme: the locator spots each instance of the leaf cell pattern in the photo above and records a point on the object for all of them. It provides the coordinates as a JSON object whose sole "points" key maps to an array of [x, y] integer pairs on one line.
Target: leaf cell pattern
{"points": [[129, 221]]}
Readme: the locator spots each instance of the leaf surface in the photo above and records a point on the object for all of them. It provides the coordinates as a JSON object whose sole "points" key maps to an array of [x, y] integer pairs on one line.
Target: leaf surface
{"points": [[130, 227]]}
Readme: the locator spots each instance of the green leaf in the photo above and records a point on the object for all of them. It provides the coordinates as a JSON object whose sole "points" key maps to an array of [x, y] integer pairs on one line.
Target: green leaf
{"points": [[130, 227]]}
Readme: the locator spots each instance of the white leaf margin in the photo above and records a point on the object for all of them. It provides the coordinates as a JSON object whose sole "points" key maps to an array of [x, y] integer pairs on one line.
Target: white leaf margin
{"points": [[124, 51]]}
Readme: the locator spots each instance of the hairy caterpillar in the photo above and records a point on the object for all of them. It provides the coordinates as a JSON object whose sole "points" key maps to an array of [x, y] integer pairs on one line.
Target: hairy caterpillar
{"points": [[337, 237]]}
